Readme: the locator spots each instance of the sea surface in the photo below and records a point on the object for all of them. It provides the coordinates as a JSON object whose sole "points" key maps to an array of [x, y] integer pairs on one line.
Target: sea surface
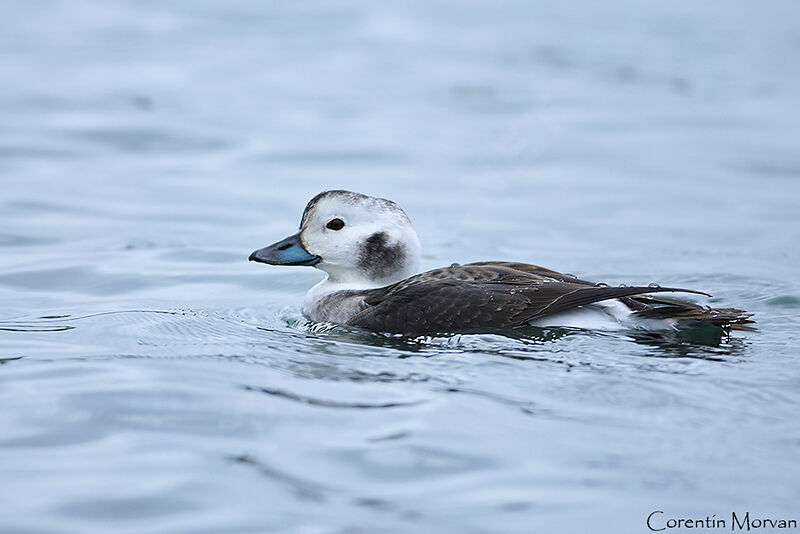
{"points": [[152, 380]]}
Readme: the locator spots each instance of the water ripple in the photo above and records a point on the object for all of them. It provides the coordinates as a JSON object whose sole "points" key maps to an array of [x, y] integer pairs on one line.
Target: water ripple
{"points": [[328, 403]]}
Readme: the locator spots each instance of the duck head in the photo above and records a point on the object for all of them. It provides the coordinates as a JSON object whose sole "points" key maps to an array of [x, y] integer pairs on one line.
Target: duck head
{"points": [[357, 239]]}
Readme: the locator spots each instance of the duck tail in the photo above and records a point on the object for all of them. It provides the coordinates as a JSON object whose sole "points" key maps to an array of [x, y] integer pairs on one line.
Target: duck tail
{"points": [[651, 307]]}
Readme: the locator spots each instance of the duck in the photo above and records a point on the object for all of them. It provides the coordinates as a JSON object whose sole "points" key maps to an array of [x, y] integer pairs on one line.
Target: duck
{"points": [[371, 256]]}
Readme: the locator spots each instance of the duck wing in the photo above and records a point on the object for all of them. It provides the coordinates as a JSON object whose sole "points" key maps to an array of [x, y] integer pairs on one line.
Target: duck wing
{"points": [[481, 295]]}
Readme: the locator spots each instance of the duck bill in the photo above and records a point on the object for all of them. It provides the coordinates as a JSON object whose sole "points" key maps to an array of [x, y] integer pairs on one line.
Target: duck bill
{"points": [[289, 251]]}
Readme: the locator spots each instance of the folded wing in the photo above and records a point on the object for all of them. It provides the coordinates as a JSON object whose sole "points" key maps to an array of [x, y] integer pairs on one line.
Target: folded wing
{"points": [[482, 295]]}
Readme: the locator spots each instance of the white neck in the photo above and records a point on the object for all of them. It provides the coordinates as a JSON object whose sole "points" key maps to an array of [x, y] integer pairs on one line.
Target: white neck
{"points": [[339, 279]]}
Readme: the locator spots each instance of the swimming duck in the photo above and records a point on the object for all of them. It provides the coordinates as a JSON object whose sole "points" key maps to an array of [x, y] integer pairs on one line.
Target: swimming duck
{"points": [[371, 255]]}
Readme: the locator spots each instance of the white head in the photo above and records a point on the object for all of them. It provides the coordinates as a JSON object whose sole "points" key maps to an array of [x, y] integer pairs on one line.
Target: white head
{"points": [[357, 239]]}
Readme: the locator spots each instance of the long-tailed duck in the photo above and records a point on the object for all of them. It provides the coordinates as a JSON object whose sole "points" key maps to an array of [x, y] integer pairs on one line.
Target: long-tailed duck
{"points": [[371, 255]]}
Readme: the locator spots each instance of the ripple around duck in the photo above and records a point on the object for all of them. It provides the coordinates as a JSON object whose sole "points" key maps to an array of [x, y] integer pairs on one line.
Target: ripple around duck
{"points": [[247, 332], [28, 327], [303, 489], [534, 343], [304, 399]]}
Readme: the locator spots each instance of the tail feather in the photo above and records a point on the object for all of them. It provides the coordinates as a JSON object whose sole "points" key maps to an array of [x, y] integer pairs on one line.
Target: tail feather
{"points": [[651, 307]]}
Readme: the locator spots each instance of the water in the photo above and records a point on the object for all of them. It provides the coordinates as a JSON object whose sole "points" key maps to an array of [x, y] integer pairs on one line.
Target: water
{"points": [[155, 381]]}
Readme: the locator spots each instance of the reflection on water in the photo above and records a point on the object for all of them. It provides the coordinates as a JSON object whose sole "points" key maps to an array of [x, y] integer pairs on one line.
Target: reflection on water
{"points": [[690, 341], [702, 342], [151, 379]]}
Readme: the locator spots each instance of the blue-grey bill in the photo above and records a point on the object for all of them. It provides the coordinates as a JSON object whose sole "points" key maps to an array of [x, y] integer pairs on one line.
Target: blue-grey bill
{"points": [[289, 251]]}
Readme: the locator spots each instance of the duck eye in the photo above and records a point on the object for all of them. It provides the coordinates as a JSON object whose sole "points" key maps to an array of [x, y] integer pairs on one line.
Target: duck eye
{"points": [[335, 224]]}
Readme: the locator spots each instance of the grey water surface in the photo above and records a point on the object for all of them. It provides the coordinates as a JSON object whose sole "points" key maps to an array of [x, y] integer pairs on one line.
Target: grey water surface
{"points": [[152, 380]]}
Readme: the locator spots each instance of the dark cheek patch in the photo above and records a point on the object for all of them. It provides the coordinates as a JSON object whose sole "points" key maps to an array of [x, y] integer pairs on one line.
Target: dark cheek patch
{"points": [[379, 259]]}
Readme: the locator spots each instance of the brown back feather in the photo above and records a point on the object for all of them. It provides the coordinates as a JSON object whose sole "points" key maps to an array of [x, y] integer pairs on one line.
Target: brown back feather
{"points": [[485, 295]]}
